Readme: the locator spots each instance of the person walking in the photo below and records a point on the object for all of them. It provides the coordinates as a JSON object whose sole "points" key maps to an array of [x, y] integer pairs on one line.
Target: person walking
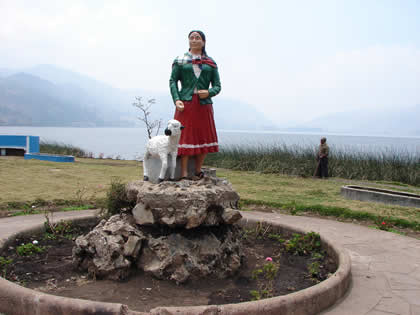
{"points": [[196, 71], [322, 158]]}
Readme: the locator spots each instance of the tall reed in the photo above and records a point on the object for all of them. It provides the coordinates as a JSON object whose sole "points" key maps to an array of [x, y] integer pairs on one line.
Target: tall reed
{"points": [[344, 162], [61, 148]]}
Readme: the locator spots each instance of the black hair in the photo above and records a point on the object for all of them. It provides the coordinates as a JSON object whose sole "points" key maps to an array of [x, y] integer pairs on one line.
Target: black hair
{"points": [[203, 37]]}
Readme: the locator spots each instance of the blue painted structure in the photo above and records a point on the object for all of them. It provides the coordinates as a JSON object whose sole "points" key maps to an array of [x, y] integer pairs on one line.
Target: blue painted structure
{"points": [[49, 157], [30, 144]]}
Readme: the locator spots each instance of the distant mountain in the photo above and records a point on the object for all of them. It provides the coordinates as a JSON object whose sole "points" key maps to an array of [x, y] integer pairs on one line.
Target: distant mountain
{"points": [[29, 100], [46, 95], [4, 72], [401, 121], [113, 105], [96, 92]]}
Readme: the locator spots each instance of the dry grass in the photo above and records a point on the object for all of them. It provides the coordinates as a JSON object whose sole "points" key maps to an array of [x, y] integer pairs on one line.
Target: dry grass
{"points": [[27, 180]]}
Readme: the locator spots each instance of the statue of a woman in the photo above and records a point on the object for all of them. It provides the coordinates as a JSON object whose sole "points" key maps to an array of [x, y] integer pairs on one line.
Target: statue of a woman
{"points": [[195, 70]]}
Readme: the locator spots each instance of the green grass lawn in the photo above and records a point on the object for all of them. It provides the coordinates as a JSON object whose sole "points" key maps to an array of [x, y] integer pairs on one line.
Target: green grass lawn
{"points": [[88, 179], [308, 194]]}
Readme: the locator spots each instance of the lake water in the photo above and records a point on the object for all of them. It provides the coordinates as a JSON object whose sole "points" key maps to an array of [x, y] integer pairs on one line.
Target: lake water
{"points": [[129, 143]]}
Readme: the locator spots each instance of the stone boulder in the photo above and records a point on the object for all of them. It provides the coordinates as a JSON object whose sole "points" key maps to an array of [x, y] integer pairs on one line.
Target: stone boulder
{"points": [[113, 247], [187, 204], [193, 254], [110, 248]]}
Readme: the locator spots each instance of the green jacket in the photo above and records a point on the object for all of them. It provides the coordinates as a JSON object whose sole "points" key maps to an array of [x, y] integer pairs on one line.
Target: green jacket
{"points": [[182, 70]]}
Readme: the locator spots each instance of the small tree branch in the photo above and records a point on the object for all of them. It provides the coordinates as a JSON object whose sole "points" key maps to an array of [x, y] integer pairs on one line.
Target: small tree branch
{"points": [[145, 115]]}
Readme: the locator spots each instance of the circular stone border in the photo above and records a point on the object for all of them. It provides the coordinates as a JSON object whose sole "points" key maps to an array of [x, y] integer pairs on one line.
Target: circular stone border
{"points": [[15, 299], [364, 193]]}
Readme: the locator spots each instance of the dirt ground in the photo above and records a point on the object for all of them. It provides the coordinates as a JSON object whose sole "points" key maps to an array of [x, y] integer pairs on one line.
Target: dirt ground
{"points": [[52, 271]]}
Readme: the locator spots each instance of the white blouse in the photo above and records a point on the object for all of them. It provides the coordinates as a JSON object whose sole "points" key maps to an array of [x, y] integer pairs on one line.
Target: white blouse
{"points": [[196, 67]]}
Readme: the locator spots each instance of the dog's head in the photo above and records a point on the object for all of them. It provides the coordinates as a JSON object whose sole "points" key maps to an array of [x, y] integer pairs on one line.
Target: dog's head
{"points": [[174, 128]]}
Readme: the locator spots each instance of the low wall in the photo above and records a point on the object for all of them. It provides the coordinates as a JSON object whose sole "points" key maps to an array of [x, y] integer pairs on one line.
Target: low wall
{"points": [[49, 157], [15, 299], [380, 195]]}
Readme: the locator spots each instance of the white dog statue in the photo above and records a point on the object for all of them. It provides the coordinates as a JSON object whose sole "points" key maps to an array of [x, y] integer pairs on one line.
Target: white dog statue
{"points": [[161, 147]]}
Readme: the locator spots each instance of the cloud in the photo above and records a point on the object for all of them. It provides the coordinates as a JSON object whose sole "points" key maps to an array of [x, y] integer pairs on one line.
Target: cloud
{"points": [[98, 40], [372, 78], [280, 57]]}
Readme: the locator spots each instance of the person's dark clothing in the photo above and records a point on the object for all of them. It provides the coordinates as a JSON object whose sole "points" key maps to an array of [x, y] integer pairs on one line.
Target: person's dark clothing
{"points": [[323, 167], [323, 153]]}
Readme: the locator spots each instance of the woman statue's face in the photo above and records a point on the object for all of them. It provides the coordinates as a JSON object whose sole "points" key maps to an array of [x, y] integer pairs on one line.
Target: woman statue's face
{"points": [[196, 42]]}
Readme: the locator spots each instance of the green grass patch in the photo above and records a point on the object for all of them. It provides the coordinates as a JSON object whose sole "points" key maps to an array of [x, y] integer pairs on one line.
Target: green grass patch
{"points": [[388, 230], [295, 208], [116, 197], [393, 183], [304, 244], [20, 213], [4, 264], [76, 208], [28, 249]]}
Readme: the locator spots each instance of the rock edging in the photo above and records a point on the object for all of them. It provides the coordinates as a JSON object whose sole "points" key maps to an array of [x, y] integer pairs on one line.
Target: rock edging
{"points": [[15, 299]]}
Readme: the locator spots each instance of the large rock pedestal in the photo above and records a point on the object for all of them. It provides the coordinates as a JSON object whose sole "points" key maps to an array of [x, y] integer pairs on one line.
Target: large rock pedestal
{"points": [[177, 231], [185, 204]]}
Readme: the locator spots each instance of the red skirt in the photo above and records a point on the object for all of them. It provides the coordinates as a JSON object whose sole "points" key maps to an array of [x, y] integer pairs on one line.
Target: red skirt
{"points": [[199, 135]]}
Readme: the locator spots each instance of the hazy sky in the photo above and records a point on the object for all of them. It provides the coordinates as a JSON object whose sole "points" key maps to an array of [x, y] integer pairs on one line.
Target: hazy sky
{"points": [[293, 60]]}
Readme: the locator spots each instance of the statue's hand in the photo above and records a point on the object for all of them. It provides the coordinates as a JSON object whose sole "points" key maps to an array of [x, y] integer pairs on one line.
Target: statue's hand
{"points": [[203, 93], [179, 105]]}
